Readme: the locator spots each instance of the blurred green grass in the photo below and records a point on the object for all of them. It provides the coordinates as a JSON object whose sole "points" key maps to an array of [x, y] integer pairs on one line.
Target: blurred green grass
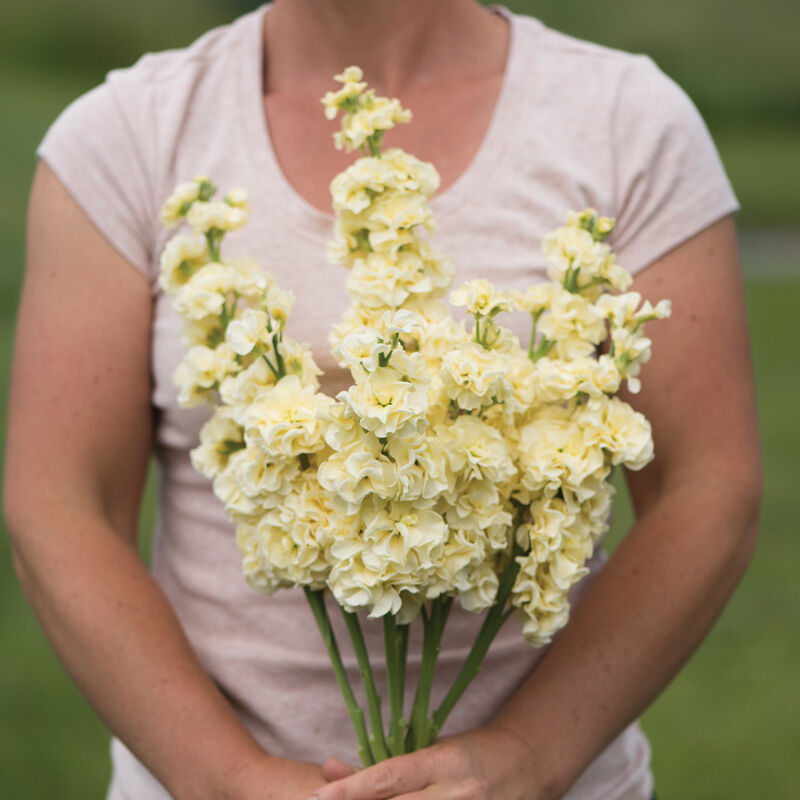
{"points": [[727, 727]]}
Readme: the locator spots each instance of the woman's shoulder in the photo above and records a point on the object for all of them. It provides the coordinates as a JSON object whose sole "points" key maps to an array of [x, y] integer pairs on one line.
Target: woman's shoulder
{"points": [[113, 147], [160, 85], [565, 66]]}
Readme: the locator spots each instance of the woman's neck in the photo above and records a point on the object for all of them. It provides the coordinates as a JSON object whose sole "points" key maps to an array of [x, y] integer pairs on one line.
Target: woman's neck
{"points": [[398, 43]]}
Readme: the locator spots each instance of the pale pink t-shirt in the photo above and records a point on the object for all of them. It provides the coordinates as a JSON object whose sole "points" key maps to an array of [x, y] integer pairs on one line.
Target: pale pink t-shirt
{"points": [[575, 125]]}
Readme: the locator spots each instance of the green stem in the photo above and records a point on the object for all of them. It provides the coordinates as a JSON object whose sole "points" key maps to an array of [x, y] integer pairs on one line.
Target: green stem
{"points": [[317, 602], [276, 340], [535, 317], [271, 367], [420, 732], [495, 619], [377, 740], [213, 243], [395, 641]]}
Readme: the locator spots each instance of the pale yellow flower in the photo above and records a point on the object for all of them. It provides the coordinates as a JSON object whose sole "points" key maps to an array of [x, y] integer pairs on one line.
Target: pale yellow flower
{"points": [[202, 369], [178, 203], [240, 389], [394, 552], [220, 438], [299, 361], [390, 399], [181, 258], [248, 331], [287, 419], [574, 323], [480, 297], [474, 377], [238, 198], [216, 216], [612, 424]]}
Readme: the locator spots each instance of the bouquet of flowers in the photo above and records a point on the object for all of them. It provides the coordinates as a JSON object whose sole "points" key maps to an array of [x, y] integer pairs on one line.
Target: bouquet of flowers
{"points": [[460, 465]]}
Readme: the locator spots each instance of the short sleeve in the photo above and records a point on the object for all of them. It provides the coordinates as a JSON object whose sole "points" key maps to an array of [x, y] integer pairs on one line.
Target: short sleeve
{"points": [[93, 150], [669, 180]]}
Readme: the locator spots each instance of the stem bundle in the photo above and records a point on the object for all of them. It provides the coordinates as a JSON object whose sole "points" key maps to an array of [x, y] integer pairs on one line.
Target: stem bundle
{"points": [[422, 728]]}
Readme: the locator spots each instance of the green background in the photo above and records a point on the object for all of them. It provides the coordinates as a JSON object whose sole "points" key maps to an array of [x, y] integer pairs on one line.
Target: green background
{"points": [[729, 726]]}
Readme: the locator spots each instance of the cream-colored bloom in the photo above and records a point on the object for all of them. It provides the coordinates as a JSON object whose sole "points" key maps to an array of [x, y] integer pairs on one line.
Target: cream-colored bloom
{"points": [[238, 198], [476, 451], [202, 295], [390, 398], [536, 298], [474, 377], [630, 350], [395, 552], [373, 115], [480, 589], [554, 454], [238, 506], [201, 371], [294, 536], [548, 573], [220, 438], [577, 261], [612, 424], [394, 210], [416, 176], [264, 480], [181, 258], [287, 420], [207, 331], [356, 472], [628, 311], [179, 202], [379, 281], [354, 189], [562, 380], [574, 323], [348, 95], [299, 361], [255, 566], [279, 303], [215, 216], [247, 278], [353, 319], [240, 389], [480, 297], [248, 331], [209, 289], [480, 507], [399, 322], [361, 351]]}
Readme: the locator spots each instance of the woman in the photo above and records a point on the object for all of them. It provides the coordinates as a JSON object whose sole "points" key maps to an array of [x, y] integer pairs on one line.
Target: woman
{"points": [[216, 692]]}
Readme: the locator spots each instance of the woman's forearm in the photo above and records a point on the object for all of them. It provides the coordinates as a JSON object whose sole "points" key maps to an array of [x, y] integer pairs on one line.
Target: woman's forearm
{"points": [[638, 622], [120, 641]]}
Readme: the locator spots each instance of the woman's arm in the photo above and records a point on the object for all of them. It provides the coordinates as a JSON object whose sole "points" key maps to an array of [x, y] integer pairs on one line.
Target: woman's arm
{"points": [[79, 437], [652, 604]]}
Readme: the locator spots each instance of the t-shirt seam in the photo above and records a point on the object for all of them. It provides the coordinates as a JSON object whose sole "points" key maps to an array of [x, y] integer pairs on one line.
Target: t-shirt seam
{"points": [[694, 223]]}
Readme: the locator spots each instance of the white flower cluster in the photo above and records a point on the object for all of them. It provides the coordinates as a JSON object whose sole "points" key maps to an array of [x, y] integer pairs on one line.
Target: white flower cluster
{"points": [[366, 117], [457, 457]]}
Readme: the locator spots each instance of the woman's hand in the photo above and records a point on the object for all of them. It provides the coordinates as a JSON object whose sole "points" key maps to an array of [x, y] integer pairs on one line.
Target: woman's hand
{"points": [[491, 763]]}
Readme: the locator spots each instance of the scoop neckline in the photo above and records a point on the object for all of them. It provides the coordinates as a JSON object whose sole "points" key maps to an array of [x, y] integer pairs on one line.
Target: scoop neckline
{"points": [[306, 219]]}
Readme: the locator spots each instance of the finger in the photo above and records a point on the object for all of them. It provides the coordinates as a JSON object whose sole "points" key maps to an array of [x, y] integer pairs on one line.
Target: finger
{"points": [[467, 789], [334, 770], [381, 782]]}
